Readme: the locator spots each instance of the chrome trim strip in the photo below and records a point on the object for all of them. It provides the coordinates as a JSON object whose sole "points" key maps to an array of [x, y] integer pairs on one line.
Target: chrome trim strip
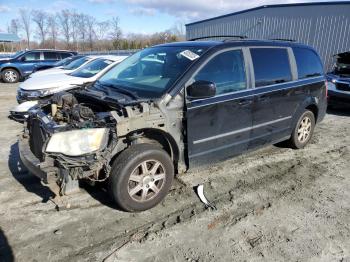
{"points": [[236, 143], [302, 83], [240, 130]]}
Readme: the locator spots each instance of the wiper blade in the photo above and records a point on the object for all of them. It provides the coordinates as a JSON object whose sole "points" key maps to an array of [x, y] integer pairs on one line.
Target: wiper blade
{"points": [[121, 90]]}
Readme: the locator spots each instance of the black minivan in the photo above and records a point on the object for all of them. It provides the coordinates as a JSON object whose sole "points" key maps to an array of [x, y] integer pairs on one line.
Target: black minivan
{"points": [[172, 107]]}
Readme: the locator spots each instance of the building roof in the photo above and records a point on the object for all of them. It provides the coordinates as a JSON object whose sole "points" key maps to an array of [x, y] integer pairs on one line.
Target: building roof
{"points": [[272, 6], [9, 38]]}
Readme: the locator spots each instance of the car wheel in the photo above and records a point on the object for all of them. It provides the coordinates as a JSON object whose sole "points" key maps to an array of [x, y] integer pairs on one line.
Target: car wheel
{"points": [[303, 130], [141, 177], [10, 76]]}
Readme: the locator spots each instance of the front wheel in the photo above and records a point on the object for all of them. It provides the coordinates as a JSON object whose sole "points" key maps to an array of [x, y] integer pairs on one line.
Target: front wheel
{"points": [[10, 76], [141, 177], [303, 130]]}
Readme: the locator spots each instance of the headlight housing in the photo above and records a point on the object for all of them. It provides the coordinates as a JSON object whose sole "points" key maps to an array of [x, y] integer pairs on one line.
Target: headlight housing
{"points": [[78, 142]]}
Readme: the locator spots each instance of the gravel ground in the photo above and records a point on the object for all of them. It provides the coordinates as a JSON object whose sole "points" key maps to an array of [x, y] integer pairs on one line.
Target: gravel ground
{"points": [[274, 204]]}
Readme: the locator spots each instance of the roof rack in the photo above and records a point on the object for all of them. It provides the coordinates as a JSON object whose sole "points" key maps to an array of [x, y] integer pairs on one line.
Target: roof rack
{"points": [[283, 39], [217, 36]]}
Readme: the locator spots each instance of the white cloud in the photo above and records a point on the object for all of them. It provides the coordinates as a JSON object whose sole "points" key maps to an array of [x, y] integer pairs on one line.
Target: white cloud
{"points": [[4, 9], [101, 1], [199, 9], [143, 11]]}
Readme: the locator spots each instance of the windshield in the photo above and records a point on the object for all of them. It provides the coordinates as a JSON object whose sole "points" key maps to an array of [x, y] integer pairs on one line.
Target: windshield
{"points": [[17, 54], [92, 68], [150, 72], [76, 63], [63, 62]]}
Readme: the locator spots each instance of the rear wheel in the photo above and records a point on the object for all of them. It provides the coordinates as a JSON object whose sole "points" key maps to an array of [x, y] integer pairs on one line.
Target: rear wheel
{"points": [[10, 76], [303, 130], [141, 177]]}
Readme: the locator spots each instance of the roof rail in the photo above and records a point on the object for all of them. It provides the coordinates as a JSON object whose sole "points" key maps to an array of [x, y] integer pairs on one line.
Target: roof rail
{"points": [[217, 36], [283, 39]]}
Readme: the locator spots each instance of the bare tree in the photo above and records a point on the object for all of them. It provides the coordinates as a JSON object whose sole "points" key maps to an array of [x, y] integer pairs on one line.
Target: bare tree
{"points": [[40, 20], [25, 20], [64, 18], [14, 26], [75, 25], [52, 27], [116, 33], [90, 29], [102, 29]]}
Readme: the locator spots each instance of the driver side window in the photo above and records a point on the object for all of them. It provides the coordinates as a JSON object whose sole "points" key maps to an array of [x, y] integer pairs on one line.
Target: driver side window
{"points": [[226, 70], [32, 56]]}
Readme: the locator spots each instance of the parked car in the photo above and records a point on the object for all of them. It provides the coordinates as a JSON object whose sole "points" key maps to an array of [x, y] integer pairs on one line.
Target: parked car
{"points": [[22, 63], [172, 107], [58, 64], [43, 86], [65, 69], [339, 81]]}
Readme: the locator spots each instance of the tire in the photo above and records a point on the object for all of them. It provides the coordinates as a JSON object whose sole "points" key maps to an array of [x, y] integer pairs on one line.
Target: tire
{"points": [[141, 177], [10, 76], [303, 130]]}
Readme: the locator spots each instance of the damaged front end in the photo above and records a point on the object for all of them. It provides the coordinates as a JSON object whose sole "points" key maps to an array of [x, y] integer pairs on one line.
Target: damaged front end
{"points": [[68, 141], [74, 136]]}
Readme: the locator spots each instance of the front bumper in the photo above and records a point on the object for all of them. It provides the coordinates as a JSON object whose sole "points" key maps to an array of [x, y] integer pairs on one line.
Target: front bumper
{"points": [[338, 97], [43, 170]]}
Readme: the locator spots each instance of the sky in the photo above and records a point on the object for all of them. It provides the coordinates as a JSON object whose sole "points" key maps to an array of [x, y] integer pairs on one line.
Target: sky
{"points": [[138, 16]]}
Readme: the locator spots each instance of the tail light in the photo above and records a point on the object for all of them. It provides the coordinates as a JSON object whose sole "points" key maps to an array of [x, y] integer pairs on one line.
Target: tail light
{"points": [[326, 84]]}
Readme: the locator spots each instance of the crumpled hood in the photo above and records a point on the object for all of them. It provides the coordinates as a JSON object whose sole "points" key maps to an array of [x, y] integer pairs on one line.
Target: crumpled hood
{"points": [[52, 81]]}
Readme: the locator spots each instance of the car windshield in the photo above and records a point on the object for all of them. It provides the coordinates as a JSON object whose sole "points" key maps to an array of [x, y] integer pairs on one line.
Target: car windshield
{"points": [[17, 54], [63, 62], [150, 72], [76, 63], [92, 68]]}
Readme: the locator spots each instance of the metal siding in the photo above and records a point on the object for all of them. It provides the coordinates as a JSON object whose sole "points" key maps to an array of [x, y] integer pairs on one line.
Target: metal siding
{"points": [[324, 27]]}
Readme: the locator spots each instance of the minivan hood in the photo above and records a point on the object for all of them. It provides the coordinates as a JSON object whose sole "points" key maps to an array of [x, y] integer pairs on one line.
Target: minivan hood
{"points": [[52, 81]]}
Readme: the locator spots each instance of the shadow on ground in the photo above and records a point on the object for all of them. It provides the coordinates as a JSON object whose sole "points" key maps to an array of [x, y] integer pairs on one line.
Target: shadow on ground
{"points": [[6, 254], [30, 182]]}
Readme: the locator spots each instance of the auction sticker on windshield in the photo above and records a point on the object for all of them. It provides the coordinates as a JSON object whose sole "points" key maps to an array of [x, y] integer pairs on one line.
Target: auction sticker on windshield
{"points": [[189, 55]]}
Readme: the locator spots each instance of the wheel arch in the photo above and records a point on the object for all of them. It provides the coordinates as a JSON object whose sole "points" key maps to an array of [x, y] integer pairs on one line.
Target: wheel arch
{"points": [[153, 136], [13, 68]]}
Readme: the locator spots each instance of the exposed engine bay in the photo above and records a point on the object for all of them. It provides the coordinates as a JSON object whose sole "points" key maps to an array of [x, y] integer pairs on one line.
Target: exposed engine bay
{"points": [[95, 131]]}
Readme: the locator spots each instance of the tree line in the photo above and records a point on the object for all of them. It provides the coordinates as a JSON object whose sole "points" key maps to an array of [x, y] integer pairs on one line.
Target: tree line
{"points": [[69, 29]]}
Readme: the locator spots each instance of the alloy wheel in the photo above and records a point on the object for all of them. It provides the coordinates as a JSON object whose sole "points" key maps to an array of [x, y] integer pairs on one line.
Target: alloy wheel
{"points": [[304, 129], [146, 180], [10, 76]]}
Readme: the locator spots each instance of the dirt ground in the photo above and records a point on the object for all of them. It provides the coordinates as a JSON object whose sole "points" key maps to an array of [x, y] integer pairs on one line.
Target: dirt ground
{"points": [[274, 204]]}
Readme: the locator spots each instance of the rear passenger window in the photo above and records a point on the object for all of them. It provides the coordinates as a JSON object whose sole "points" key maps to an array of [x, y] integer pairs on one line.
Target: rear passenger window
{"points": [[51, 56], [226, 70], [271, 66], [308, 63]]}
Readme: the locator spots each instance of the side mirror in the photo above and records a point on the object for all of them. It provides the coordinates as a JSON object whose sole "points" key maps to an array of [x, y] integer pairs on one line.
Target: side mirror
{"points": [[201, 89]]}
